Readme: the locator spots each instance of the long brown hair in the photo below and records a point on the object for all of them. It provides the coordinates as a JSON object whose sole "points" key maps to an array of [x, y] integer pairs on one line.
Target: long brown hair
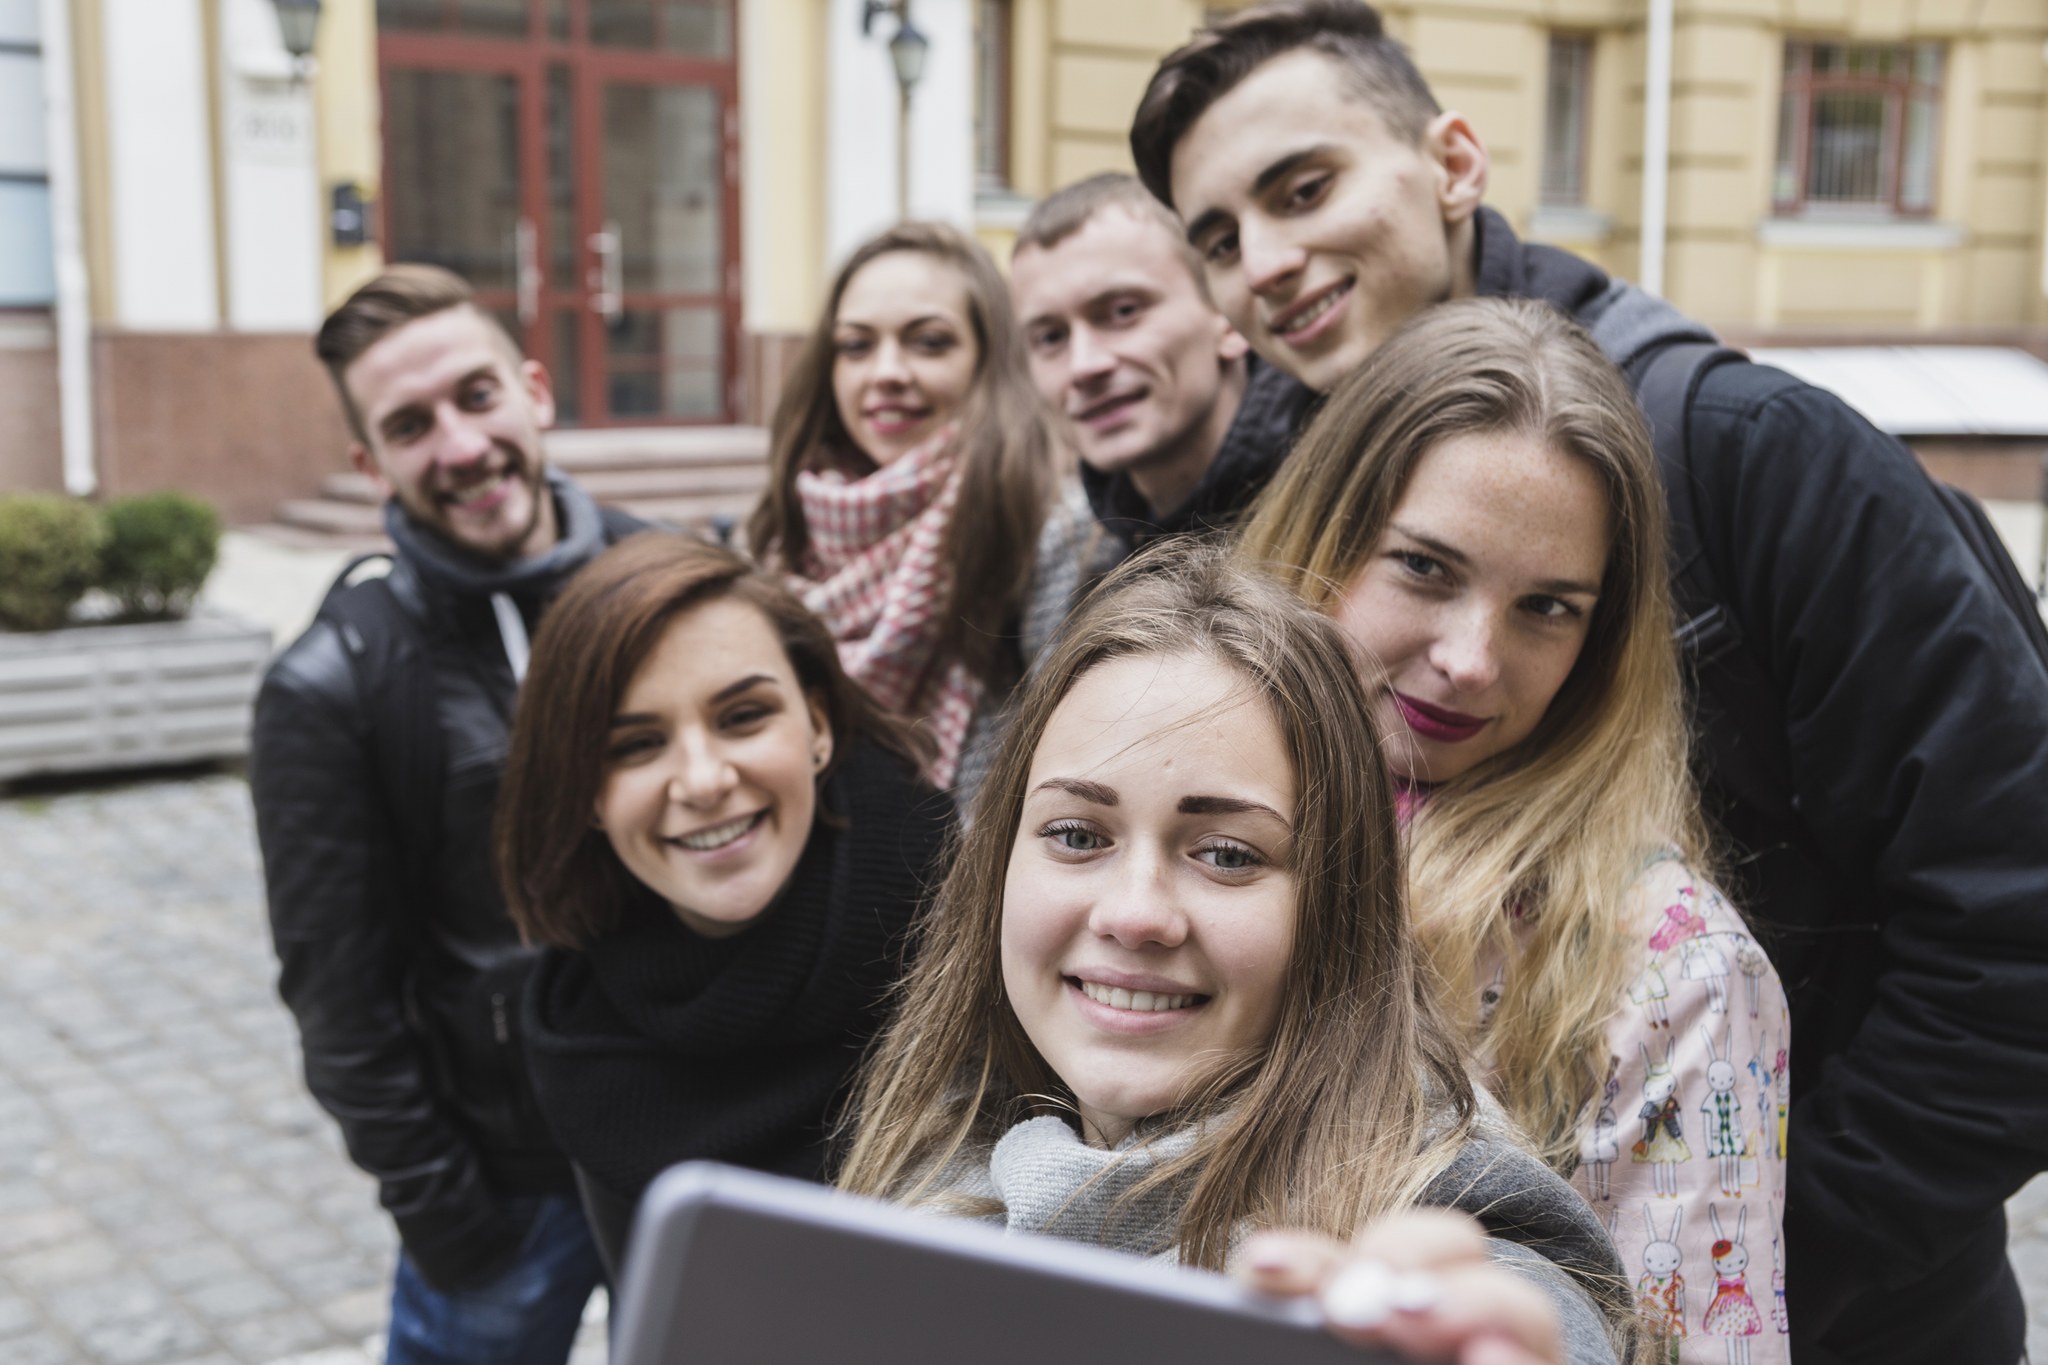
{"points": [[1561, 825], [1359, 1098], [563, 883], [1010, 455]]}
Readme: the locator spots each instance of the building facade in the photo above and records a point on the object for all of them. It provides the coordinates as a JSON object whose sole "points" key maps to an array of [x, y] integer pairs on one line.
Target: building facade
{"points": [[652, 193]]}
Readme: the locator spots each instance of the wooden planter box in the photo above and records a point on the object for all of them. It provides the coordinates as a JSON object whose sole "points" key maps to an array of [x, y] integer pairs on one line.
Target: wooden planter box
{"points": [[94, 697]]}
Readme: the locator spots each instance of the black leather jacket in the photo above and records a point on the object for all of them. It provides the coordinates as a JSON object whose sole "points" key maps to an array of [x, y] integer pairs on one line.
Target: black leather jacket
{"points": [[400, 964]]}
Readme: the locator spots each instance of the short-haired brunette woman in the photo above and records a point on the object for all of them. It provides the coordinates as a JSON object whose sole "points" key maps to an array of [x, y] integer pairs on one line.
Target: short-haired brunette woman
{"points": [[918, 494], [1168, 997], [1479, 508], [721, 840]]}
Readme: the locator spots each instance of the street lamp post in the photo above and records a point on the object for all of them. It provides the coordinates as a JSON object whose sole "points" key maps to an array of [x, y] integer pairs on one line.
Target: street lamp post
{"points": [[907, 52], [298, 23]]}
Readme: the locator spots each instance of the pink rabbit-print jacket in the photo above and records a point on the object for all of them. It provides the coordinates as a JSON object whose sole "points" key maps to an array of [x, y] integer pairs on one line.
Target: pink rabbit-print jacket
{"points": [[1682, 1153]]}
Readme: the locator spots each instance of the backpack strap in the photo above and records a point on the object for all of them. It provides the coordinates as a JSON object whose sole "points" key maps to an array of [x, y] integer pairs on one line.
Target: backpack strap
{"points": [[383, 622], [1739, 730]]}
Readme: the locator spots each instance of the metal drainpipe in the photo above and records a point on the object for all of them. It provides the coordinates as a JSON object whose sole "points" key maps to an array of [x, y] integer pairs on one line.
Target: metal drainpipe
{"points": [[1656, 146], [67, 241]]}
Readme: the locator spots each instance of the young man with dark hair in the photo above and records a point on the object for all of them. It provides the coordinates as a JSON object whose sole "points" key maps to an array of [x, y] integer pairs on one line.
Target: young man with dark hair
{"points": [[1168, 411], [379, 736], [1873, 717]]}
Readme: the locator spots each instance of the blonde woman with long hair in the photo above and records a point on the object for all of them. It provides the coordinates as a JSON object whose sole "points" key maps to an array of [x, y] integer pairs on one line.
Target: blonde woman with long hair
{"points": [[1167, 995], [1479, 509]]}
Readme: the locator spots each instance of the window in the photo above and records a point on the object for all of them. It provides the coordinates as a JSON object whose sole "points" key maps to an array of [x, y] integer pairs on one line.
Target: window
{"points": [[992, 94], [1568, 95], [27, 276], [1857, 127]]}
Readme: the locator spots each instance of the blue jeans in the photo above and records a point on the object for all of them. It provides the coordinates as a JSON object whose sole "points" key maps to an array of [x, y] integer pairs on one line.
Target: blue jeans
{"points": [[527, 1316]]}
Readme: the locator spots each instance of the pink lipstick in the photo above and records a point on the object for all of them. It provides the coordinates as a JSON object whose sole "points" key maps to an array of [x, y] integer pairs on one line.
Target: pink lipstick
{"points": [[1437, 722]]}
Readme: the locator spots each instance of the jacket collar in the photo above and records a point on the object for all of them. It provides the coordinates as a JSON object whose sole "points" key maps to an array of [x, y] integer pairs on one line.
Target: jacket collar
{"points": [[449, 571], [1269, 416]]}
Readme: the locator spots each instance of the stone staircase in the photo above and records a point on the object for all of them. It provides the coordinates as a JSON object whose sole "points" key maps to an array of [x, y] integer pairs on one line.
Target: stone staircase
{"points": [[690, 477]]}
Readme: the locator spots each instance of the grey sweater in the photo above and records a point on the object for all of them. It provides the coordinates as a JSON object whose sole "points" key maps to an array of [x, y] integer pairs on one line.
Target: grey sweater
{"points": [[1044, 1179]]}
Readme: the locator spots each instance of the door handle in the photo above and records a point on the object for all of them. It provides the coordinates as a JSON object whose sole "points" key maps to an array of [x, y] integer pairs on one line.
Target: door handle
{"points": [[608, 276], [526, 245]]}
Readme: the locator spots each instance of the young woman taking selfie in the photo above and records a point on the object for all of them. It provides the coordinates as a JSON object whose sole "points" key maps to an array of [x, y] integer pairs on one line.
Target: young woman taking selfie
{"points": [[1168, 997], [918, 496], [721, 839], [1479, 510]]}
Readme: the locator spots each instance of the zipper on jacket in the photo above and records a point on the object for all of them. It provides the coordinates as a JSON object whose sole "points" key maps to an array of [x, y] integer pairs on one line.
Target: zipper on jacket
{"points": [[499, 1028]]}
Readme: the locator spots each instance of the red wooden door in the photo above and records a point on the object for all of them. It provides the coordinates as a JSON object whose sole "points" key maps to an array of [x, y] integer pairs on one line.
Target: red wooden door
{"points": [[577, 160]]}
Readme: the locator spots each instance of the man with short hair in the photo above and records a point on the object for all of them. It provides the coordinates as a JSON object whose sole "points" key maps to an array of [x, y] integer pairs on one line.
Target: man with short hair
{"points": [[1169, 412], [1873, 719], [379, 738]]}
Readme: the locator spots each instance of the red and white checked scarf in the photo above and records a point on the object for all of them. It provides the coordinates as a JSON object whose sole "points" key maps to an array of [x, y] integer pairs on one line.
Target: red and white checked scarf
{"points": [[876, 573]]}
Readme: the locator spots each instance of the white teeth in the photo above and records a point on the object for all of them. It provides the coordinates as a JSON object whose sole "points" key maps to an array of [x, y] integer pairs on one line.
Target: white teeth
{"points": [[1316, 310], [1140, 1002], [477, 490], [718, 836]]}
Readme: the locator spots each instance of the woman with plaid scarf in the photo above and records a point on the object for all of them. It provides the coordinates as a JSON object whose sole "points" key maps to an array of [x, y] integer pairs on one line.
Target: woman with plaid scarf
{"points": [[920, 500]]}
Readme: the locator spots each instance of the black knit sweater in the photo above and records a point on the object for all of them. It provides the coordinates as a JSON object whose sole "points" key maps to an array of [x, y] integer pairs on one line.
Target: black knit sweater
{"points": [[656, 1045]]}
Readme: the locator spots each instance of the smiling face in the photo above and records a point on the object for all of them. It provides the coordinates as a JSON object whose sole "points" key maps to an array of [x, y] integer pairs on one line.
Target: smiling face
{"points": [[1477, 598], [1123, 343], [454, 420], [1148, 908], [710, 785], [1321, 230], [904, 352]]}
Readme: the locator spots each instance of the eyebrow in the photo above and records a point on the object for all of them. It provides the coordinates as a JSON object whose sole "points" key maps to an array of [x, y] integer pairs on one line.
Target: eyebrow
{"points": [[919, 321], [1092, 792], [1556, 587], [1228, 805], [488, 370], [1265, 180], [726, 693]]}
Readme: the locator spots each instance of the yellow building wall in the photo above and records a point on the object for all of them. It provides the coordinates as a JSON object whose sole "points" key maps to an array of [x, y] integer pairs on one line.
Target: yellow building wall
{"points": [[782, 162], [347, 115], [1081, 65]]}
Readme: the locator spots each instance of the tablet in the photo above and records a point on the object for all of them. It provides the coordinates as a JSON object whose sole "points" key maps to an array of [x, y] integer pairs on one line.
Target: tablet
{"points": [[728, 1265]]}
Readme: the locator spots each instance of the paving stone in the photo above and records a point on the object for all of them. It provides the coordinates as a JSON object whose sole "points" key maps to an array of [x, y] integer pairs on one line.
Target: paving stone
{"points": [[320, 1281], [192, 1266], [294, 1246], [232, 1298], [358, 1314], [86, 1304], [276, 1334], [17, 1316], [50, 1267], [42, 1349], [145, 1341], [40, 1227]]}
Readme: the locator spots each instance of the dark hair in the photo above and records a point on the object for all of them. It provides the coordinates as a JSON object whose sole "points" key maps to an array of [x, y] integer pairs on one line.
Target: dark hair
{"points": [[1070, 208], [1008, 451], [563, 883], [1209, 65], [402, 294]]}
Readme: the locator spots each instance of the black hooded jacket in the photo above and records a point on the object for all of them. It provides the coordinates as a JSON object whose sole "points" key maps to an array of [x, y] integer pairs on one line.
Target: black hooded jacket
{"points": [[407, 995], [1900, 879], [1260, 435], [1901, 883]]}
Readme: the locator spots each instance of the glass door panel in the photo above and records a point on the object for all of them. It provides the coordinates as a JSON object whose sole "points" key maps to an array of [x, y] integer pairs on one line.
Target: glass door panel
{"points": [[480, 18], [664, 185], [688, 28], [452, 173], [664, 206]]}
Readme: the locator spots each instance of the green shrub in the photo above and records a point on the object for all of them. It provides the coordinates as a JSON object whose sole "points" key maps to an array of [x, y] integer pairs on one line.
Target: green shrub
{"points": [[160, 548], [49, 556]]}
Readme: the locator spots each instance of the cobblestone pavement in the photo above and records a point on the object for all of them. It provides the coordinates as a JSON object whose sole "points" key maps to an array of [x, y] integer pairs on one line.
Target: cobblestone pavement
{"points": [[168, 1193]]}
